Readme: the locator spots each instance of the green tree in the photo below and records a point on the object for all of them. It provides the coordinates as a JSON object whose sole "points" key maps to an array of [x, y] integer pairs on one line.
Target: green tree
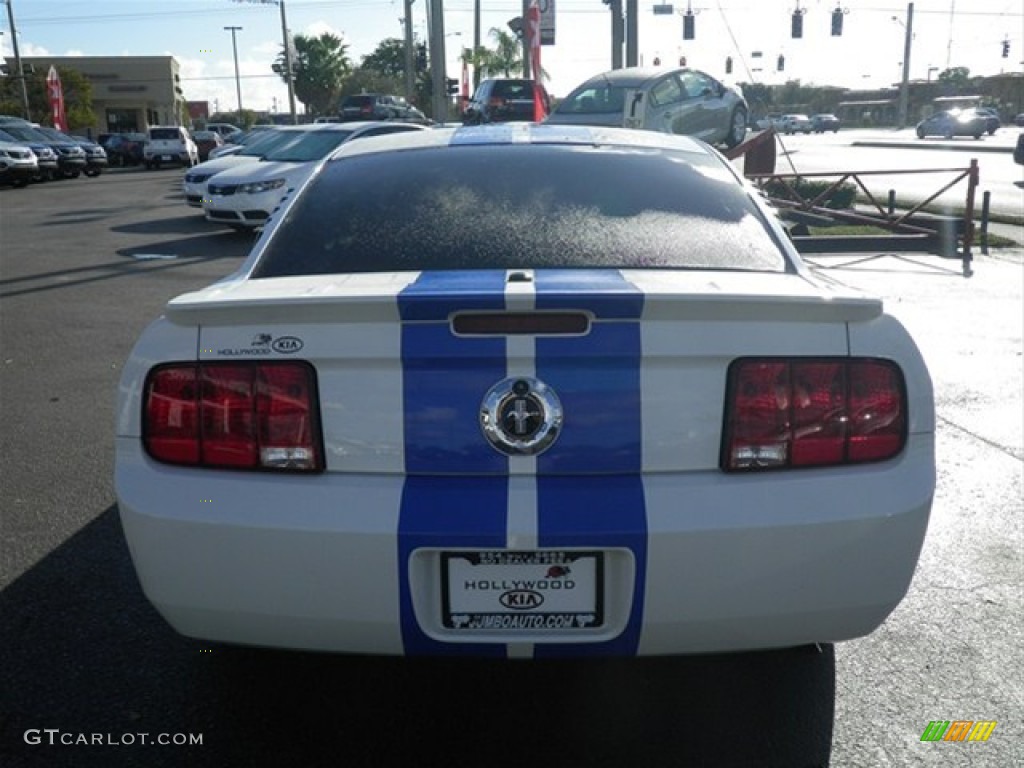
{"points": [[320, 67], [478, 59], [387, 59], [955, 77], [506, 56], [383, 71], [77, 97]]}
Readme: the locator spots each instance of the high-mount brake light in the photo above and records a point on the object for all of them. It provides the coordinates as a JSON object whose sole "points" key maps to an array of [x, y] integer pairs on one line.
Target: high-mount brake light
{"points": [[244, 415], [794, 412]]}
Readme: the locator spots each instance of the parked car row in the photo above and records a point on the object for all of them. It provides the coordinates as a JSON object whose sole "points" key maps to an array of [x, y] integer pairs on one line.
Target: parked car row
{"points": [[242, 189], [32, 152]]}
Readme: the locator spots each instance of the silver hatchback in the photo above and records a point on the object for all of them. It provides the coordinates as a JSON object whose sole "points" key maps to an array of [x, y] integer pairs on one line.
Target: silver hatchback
{"points": [[683, 101]]}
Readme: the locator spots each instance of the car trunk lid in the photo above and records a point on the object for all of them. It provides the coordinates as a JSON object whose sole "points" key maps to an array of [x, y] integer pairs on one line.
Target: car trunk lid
{"points": [[636, 360]]}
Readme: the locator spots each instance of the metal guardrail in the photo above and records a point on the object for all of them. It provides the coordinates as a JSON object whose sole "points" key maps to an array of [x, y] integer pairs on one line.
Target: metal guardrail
{"points": [[909, 230]]}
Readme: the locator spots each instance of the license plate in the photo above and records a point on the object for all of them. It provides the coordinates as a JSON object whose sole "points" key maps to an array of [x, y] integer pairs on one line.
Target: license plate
{"points": [[167, 158], [543, 591]]}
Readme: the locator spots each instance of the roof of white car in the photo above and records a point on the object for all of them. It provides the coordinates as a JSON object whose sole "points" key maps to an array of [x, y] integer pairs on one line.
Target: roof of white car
{"points": [[522, 133]]}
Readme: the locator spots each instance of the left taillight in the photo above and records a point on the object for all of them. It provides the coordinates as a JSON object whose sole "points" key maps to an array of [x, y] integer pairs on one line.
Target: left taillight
{"points": [[788, 413], [233, 415]]}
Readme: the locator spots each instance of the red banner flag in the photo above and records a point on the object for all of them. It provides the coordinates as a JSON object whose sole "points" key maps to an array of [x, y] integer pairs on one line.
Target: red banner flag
{"points": [[533, 35], [55, 92]]}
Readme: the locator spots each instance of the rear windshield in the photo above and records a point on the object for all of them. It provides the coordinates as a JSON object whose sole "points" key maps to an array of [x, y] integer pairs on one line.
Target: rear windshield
{"points": [[513, 89], [600, 99], [164, 134], [487, 207], [358, 101]]}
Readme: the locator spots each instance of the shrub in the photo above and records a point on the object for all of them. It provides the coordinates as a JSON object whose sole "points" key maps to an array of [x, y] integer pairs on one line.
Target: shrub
{"points": [[841, 197]]}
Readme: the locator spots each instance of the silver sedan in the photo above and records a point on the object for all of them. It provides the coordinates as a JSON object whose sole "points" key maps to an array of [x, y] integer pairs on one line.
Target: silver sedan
{"points": [[682, 101]]}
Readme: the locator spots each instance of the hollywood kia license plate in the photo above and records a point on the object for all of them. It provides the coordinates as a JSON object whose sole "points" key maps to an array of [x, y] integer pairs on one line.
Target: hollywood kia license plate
{"points": [[540, 591]]}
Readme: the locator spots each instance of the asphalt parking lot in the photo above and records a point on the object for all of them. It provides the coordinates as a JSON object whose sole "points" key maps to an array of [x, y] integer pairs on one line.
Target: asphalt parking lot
{"points": [[86, 263]]}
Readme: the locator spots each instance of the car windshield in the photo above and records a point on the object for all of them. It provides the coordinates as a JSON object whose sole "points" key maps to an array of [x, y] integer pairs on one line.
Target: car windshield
{"points": [[164, 134], [550, 207], [594, 99], [358, 101], [52, 133], [26, 133], [260, 143], [311, 145]]}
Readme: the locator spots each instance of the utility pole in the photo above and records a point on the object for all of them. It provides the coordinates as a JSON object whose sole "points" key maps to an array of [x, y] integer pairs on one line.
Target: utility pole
{"points": [[17, 60], [288, 64], [290, 77], [615, 6], [437, 61], [632, 33], [476, 42], [905, 83], [238, 81], [525, 38], [410, 71]]}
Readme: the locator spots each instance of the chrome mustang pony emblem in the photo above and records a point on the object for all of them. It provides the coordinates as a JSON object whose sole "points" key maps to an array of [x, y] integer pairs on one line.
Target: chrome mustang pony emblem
{"points": [[521, 416]]}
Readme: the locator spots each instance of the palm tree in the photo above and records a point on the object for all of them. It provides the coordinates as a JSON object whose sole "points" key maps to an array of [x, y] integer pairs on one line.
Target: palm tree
{"points": [[507, 56], [320, 66]]}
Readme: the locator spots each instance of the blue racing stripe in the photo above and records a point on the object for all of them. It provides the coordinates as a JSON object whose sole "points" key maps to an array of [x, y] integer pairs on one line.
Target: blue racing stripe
{"points": [[589, 485], [602, 291], [456, 487], [446, 512]]}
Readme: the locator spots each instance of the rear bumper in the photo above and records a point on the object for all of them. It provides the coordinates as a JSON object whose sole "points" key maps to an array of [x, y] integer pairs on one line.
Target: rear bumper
{"points": [[728, 563]]}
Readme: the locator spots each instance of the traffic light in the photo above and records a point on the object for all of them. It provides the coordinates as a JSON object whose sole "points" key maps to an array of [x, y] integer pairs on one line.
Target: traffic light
{"points": [[682, 61], [781, 63], [657, 61], [798, 23], [1006, 49], [453, 85], [728, 65], [688, 25], [837, 22]]}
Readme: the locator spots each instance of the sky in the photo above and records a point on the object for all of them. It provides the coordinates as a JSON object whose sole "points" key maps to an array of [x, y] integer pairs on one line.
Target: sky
{"points": [[869, 54]]}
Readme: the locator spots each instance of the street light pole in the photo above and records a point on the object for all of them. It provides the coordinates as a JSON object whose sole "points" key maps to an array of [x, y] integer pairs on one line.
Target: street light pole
{"points": [[238, 81], [17, 60], [905, 82]]}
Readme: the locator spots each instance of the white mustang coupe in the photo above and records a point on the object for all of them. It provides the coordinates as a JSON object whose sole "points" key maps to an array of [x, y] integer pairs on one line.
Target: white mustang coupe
{"points": [[525, 391]]}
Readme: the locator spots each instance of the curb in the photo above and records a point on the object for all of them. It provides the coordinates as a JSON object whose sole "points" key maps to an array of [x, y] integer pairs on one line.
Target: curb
{"points": [[924, 144]]}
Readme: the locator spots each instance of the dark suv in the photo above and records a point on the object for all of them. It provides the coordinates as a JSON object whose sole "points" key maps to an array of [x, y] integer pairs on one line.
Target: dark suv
{"points": [[502, 100], [378, 106]]}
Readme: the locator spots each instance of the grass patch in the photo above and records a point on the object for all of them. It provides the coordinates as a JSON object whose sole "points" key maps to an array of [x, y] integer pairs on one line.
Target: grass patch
{"points": [[994, 241]]}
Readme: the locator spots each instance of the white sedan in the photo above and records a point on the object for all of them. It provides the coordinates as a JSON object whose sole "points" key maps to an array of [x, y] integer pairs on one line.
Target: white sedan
{"points": [[525, 391], [196, 179], [244, 197]]}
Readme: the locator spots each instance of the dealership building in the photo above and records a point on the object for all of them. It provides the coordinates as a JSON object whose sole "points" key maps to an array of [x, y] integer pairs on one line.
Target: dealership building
{"points": [[129, 93]]}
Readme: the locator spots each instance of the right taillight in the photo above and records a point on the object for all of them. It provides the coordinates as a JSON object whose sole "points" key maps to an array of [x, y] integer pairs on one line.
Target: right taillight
{"points": [[243, 415], [785, 413]]}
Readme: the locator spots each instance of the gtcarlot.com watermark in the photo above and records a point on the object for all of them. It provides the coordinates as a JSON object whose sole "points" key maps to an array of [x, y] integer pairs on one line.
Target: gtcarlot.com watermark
{"points": [[56, 737]]}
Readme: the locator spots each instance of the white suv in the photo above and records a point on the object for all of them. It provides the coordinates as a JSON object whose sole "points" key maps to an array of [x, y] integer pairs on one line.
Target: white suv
{"points": [[170, 144]]}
